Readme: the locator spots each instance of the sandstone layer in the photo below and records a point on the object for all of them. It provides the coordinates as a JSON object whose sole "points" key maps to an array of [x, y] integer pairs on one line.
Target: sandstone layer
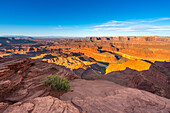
{"points": [[20, 78], [106, 97], [42, 105]]}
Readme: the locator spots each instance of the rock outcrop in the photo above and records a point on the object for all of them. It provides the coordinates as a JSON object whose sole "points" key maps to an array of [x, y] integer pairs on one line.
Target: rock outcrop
{"points": [[42, 105], [20, 78], [96, 96], [155, 80], [100, 96]]}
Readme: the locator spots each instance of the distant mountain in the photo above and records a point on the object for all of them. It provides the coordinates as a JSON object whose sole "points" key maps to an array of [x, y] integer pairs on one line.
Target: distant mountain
{"points": [[17, 36], [23, 38], [4, 41], [57, 37]]}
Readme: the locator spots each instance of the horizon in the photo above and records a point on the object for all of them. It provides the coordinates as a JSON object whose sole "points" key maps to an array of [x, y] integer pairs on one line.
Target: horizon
{"points": [[70, 37], [88, 18]]}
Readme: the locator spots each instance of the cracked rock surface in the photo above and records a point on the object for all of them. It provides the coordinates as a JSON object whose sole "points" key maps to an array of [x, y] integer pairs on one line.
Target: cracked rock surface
{"points": [[101, 96], [42, 105]]}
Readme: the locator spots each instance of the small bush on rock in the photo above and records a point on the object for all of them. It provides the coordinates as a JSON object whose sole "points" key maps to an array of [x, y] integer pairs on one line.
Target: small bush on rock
{"points": [[58, 83]]}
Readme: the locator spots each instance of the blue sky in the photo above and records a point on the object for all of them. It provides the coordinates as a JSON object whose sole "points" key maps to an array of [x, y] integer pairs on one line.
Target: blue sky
{"points": [[85, 17]]}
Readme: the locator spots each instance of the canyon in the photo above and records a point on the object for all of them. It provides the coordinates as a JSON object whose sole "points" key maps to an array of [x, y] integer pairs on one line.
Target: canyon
{"points": [[106, 74]]}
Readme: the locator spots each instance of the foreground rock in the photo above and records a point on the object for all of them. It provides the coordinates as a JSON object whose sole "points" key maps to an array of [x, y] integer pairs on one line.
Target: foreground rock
{"points": [[155, 80], [42, 105], [100, 96], [21, 89], [20, 78]]}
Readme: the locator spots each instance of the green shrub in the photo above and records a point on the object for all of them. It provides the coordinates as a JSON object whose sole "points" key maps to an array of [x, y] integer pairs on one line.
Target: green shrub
{"points": [[58, 83]]}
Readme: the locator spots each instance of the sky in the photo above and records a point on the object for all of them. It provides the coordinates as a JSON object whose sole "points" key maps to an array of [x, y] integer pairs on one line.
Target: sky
{"points": [[81, 18]]}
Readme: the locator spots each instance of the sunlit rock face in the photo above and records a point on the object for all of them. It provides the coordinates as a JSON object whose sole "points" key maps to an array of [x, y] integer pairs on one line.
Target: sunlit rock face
{"points": [[138, 65], [150, 48], [69, 62]]}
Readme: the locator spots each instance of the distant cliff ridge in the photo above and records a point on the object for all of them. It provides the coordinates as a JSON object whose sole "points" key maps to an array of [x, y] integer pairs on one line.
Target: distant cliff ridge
{"points": [[130, 38]]}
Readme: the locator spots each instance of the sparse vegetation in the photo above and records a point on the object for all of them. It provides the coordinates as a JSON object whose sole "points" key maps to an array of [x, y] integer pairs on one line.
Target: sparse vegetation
{"points": [[58, 83]]}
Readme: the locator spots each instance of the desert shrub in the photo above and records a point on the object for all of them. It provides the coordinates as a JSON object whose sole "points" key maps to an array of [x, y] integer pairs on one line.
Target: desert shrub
{"points": [[58, 83]]}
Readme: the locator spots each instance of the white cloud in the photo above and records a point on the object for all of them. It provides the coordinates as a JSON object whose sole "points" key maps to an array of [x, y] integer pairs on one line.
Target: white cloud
{"points": [[136, 25], [109, 25], [155, 20], [114, 23], [113, 29], [136, 28], [160, 28]]}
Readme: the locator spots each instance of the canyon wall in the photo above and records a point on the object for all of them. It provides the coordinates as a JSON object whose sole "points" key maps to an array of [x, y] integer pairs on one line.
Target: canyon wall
{"points": [[130, 38]]}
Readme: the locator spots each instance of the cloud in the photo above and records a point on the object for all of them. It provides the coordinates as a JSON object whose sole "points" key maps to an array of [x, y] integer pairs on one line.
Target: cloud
{"points": [[136, 28], [113, 29], [114, 23], [109, 25], [160, 28], [149, 28], [136, 25], [155, 20]]}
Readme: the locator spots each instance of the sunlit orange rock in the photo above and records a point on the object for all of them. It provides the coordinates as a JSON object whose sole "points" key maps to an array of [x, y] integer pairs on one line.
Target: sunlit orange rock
{"points": [[138, 65]]}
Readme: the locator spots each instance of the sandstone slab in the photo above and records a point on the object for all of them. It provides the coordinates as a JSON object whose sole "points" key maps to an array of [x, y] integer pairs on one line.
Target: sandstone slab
{"points": [[100, 96]]}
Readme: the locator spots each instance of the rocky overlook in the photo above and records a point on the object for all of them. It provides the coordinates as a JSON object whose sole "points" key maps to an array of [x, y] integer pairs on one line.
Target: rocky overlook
{"points": [[20, 78], [21, 91]]}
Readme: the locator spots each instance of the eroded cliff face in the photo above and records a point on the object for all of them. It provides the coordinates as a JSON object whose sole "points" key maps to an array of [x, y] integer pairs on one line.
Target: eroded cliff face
{"points": [[147, 47]]}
